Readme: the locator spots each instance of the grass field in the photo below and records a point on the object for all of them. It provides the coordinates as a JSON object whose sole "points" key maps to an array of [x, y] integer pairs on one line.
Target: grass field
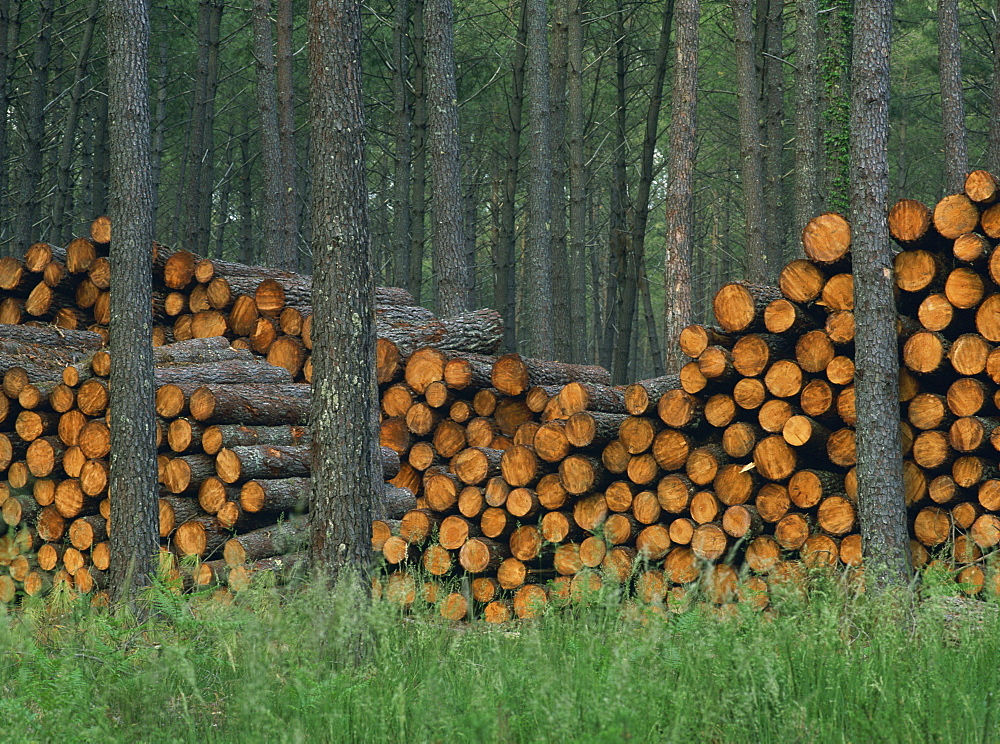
{"points": [[314, 667]]}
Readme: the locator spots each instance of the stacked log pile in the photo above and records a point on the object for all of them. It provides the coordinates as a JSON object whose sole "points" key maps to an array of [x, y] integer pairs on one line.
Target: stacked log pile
{"points": [[518, 482]]}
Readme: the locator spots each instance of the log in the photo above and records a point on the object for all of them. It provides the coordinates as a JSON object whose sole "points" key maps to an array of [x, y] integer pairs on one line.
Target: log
{"points": [[263, 405], [910, 222], [826, 239], [267, 542], [513, 374], [739, 307]]}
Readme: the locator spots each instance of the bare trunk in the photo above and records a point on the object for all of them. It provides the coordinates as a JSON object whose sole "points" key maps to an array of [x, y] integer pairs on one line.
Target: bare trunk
{"points": [[806, 113], [538, 309], [5, 32], [956, 154], [773, 135], [752, 170], [562, 320], [286, 134], [993, 146], [881, 503], [418, 205], [159, 127], [577, 179], [403, 110], [133, 478], [680, 192]]}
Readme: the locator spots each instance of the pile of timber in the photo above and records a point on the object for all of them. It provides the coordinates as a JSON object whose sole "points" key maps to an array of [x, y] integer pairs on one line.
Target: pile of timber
{"points": [[262, 310], [516, 483]]}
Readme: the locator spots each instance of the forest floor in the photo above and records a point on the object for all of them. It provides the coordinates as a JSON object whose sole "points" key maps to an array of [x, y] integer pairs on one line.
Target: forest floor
{"points": [[313, 665]]}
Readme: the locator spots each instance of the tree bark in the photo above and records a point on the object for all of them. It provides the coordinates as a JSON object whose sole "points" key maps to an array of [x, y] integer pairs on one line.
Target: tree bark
{"points": [[346, 467], [880, 468], [6, 28], [418, 204], [133, 478], [61, 225], [993, 147], [752, 167], [538, 308], [806, 111], [29, 208], [448, 236], [286, 134], [562, 321], [159, 129], [504, 287], [773, 133], [275, 253], [577, 177], [403, 109], [680, 191], [956, 153]]}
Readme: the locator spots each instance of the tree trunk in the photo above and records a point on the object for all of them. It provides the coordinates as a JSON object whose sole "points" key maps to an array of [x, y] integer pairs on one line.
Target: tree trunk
{"points": [[538, 308], [5, 32], [577, 178], [773, 133], [247, 255], [196, 136], [133, 478], [286, 133], [752, 168], [836, 74], [880, 467], [448, 236], [618, 328], [504, 288], [206, 187], [403, 110], [418, 205], [956, 154], [562, 321], [275, 253], [806, 110], [29, 208], [640, 211], [63, 189], [347, 472], [993, 146], [680, 192]]}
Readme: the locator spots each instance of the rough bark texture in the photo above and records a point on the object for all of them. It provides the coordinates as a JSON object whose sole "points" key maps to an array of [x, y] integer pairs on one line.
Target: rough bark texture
{"points": [[806, 112], [133, 477], [993, 148], [956, 154], [538, 296], [773, 129], [752, 169], [275, 252], [561, 296], [286, 133], [577, 177], [404, 146], [880, 468], [680, 192], [347, 473], [452, 285]]}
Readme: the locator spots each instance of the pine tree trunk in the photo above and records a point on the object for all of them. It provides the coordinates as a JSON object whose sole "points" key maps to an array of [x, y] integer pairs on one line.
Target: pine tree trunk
{"points": [[956, 154], [5, 31], [752, 170], [206, 186], [680, 192], [447, 235], [504, 288], [29, 208], [806, 110], [879, 461], [286, 134], [538, 308], [247, 254], [159, 128], [640, 210], [562, 322], [274, 253], [577, 177], [993, 145], [418, 204], [196, 137], [403, 110], [346, 467], [133, 477], [66, 146], [102, 160], [773, 134]]}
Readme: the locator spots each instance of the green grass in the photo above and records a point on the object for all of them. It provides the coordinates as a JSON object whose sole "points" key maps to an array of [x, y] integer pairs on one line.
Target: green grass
{"points": [[315, 667]]}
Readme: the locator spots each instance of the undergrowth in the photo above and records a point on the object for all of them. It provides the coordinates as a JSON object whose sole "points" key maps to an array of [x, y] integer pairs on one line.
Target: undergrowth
{"points": [[315, 665]]}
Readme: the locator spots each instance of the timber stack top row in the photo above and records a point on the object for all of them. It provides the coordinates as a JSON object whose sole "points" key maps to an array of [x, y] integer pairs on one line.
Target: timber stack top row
{"points": [[512, 482]]}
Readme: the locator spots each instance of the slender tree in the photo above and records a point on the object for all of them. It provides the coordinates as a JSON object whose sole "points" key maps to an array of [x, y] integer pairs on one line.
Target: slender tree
{"points": [[5, 28], [752, 169], [275, 252], [346, 470], [993, 143], [956, 153], [132, 483], [402, 105], [286, 133], [418, 200], [452, 278], [882, 507], [806, 113], [577, 175], [562, 318], [772, 113], [503, 288], [538, 306], [680, 191]]}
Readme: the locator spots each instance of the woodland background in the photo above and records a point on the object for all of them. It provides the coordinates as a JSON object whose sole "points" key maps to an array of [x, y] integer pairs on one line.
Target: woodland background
{"points": [[230, 138]]}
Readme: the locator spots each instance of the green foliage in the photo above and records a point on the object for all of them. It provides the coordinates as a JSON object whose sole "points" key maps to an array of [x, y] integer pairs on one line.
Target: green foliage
{"points": [[835, 71], [322, 666]]}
